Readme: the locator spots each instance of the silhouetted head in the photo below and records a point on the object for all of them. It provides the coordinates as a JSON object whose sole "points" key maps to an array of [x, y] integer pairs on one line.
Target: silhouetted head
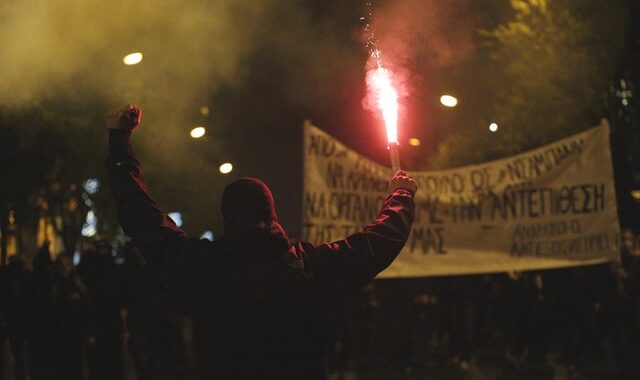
{"points": [[247, 202]]}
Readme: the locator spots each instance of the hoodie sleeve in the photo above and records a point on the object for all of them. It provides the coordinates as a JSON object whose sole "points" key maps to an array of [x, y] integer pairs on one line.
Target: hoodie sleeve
{"points": [[350, 263], [157, 236]]}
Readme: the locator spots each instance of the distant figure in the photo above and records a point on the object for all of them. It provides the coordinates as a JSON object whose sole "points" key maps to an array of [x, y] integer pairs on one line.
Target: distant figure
{"points": [[14, 312], [69, 318], [40, 334], [259, 303], [105, 355]]}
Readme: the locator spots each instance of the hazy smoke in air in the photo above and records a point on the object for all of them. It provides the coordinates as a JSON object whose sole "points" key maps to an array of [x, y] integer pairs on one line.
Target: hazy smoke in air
{"points": [[415, 36], [74, 48]]}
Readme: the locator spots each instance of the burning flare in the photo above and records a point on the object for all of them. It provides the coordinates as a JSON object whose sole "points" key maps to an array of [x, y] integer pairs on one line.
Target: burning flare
{"points": [[386, 98]]}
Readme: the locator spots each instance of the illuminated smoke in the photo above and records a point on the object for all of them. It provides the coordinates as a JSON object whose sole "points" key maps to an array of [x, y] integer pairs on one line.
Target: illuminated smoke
{"points": [[417, 36], [424, 33]]}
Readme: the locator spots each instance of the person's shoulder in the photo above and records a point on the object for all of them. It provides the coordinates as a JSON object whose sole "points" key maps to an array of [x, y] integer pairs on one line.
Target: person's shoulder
{"points": [[305, 248], [302, 247]]}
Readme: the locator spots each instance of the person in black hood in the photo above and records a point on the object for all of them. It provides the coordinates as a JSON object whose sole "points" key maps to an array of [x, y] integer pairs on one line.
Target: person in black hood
{"points": [[259, 303]]}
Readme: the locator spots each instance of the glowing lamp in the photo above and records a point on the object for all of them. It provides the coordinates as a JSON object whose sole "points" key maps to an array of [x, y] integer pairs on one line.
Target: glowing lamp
{"points": [[414, 141], [493, 127], [198, 132], [448, 101], [132, 59], [226, 168]]}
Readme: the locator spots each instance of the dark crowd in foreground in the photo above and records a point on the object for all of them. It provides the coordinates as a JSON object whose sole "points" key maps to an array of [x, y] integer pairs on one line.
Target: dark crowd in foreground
{"points": [[108, 317]]}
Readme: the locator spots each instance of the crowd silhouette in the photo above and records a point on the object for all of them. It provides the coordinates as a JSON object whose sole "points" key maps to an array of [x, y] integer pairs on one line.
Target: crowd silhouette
{"points": [[110, 317]]}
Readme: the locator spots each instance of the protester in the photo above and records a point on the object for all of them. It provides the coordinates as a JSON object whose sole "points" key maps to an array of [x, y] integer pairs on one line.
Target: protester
{"points": [[41, 326], [105, 354], [259, 303], [69, 318], [14, 283]]}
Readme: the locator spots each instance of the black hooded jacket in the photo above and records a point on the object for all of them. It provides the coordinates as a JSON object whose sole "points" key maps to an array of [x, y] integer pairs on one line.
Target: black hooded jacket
{"points": [[259, 303]]}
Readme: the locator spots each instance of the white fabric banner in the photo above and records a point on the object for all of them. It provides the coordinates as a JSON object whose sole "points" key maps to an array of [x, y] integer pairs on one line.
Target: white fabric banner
{"points": [[550, 207]]}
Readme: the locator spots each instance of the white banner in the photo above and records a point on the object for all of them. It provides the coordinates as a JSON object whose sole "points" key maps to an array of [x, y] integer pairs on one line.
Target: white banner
{"points": [[547, 208]]}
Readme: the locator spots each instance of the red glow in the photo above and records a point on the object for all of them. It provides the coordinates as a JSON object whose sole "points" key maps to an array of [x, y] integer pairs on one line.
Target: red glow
{"points": [[386, 98]]}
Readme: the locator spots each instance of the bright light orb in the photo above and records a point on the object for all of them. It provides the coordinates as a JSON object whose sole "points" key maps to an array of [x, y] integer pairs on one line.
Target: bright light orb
{"points": [[635, 194], [89, 228], [414, 141], [448, 101], [205, 111], [132, 59], [493, 127], [226, 168], [198, 132], [176, 217], [91, 186]]}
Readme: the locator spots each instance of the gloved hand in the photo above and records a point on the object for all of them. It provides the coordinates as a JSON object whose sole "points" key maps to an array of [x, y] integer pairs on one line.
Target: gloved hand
{"points": [[401, 181], [125, 118]]}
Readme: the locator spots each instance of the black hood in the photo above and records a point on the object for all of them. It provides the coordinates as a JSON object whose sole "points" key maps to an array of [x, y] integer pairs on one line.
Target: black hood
{"points": [[247, 201], [250, 221]]}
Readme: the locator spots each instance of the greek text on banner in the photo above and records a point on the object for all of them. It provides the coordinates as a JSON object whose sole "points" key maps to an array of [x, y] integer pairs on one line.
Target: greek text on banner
{"points": [[550, 207]]}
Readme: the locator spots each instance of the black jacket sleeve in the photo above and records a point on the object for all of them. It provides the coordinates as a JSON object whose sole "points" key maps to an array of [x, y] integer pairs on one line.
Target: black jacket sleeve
{"points": [[161, 241], [350, 263]]}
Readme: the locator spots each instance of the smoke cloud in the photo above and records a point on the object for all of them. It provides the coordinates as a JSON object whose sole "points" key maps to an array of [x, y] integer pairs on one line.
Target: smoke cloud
{"points": [[416, 36], [187, 44], [193, 48]]}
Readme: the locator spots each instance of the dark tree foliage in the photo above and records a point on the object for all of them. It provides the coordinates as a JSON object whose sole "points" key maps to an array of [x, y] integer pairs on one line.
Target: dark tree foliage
{"points": [[553, 62], [47, 150]]}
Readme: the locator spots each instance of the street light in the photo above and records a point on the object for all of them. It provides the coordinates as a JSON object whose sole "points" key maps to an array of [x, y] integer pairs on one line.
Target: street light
{"points": [[226, 168], [493, 127], [132, 59], [448, 101], [198, 132]]}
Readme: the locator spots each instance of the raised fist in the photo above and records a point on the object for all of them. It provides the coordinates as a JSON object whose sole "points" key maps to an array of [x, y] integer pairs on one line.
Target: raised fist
{"points": [[126, 118]]}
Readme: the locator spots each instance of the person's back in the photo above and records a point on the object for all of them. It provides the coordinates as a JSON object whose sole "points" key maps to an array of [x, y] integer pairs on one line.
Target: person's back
{"points": [[258, 302], [258, 314]]}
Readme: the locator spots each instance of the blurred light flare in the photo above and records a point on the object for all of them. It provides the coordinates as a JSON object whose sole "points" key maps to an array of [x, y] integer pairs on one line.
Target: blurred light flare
{"points": [[198, 132], [226, 168], [91, 186], [414, 141], [448, 101], [493, 127], [205, 111], [89, 228], [132, 59], [176, 217], [635, 194], [207, 235], [76, 258]]}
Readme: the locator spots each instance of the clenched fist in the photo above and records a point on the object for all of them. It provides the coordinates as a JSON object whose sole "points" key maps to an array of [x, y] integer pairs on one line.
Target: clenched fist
{"points": [[126, 118], [401, 181]]}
